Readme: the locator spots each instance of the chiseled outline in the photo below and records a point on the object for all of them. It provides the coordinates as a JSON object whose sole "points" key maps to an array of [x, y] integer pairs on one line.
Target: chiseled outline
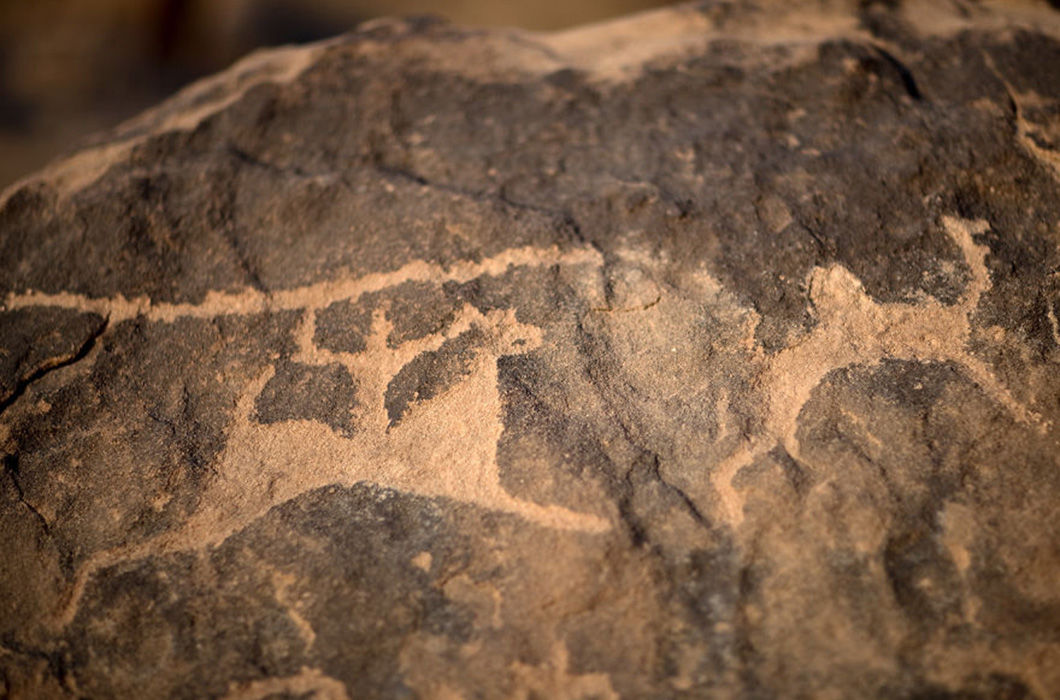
{"points": [[444, 447], [447, 446], [853, 329]]}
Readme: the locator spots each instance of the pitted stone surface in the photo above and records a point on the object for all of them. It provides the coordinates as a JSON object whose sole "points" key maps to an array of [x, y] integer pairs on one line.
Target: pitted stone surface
{"points": [[710, 353]]}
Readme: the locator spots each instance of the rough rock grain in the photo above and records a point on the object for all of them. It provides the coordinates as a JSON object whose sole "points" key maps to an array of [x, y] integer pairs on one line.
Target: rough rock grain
{"points": [[711, 353]]}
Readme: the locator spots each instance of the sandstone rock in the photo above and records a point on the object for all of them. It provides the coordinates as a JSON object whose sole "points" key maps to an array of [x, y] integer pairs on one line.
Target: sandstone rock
{"points": [[708, 353]]}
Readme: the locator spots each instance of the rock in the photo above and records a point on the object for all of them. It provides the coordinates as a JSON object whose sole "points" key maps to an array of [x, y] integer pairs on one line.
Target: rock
{"points": [[708, 353]]}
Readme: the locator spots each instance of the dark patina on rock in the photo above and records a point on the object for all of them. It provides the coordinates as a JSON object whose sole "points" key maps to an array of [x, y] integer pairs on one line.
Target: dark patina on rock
{"points": [[710, 353]]}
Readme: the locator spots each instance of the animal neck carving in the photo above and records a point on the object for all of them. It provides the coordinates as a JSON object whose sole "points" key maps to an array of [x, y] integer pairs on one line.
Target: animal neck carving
{"points": [[443, 447], [853, 329]]}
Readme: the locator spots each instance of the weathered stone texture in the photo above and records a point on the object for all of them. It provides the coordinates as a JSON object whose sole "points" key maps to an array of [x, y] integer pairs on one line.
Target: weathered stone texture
{"points": [[711, 353]]}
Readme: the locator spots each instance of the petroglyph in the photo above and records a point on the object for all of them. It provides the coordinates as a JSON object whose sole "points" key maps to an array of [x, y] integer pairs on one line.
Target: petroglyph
{"points": [[853, 329], [311, 297], [444, 447], [764, 421]]}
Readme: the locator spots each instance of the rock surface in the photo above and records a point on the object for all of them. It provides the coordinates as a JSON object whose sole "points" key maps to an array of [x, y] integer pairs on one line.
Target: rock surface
{"points": [[708, 353]]}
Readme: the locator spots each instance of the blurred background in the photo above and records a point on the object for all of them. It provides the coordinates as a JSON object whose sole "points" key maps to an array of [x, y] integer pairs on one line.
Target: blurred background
{"points": [[72, 67]]}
